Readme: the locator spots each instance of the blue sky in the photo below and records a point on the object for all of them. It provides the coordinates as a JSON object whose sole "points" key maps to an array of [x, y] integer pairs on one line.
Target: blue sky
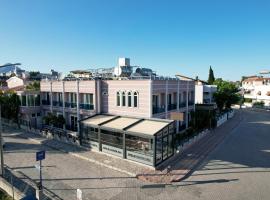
{"points": [[168, 36]]}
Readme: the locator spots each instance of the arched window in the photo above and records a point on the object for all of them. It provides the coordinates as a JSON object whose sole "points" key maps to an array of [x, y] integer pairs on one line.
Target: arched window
{"points": [[129, 99], [123, 99], [118, 99], [135, 96]]}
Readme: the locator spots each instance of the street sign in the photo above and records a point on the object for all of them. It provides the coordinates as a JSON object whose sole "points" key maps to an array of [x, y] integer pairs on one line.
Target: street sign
{"points": [[177, 116], [40, 155], [79, 194]]}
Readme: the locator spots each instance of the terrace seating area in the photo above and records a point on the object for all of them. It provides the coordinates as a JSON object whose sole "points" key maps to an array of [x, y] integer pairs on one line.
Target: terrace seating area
{"points": [[148, 141]]}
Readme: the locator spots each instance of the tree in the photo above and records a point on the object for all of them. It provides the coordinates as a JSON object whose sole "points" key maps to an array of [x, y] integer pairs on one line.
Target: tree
{"points": [[34, 75], [211, 77], [54, 120], [10, 105], [33, 86], [226, 94]]}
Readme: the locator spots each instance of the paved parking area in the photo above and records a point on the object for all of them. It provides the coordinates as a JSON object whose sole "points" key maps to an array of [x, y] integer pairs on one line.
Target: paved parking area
{"points": [[239, 168]]}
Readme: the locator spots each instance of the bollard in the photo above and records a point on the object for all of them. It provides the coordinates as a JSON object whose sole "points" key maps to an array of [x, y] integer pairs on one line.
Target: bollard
{"points": [[39, 194]]}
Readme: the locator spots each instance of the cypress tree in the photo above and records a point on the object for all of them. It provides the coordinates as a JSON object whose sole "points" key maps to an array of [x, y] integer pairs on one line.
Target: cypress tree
{"points": [[211, 77]]}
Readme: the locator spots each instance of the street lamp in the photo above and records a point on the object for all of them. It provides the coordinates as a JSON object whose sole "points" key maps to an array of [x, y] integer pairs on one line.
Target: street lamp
{"points": [[1, 144]]}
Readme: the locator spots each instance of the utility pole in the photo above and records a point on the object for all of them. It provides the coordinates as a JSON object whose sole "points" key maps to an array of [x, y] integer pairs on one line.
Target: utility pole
{"points": [[1, 144]]}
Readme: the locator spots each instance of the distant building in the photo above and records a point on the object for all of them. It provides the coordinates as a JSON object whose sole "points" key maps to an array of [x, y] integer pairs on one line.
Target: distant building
{"points": [[15, 82], [11, 69], [30, 110], [80, 74], [204, 92], [257, 89]]}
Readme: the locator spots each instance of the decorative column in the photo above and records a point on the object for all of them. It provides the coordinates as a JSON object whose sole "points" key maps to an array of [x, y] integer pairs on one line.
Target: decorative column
{"points": [[150, 99], [78, 107], [63, 103], [187, 97], [177, 104], [166, 100], [51, 97]]}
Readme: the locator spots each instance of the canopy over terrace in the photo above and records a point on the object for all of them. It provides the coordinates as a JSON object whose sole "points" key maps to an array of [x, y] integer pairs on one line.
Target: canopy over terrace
{"points": [[129, 137]]}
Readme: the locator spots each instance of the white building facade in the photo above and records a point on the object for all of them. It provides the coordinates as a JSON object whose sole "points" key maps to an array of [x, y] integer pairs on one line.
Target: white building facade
{"points": [[204, 94], [257, 89]]}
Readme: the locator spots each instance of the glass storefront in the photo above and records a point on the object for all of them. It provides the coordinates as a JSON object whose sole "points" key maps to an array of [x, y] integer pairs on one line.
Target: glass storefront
{"points": [[139, 149], [147, 149], [164, 144], [90, 137], [111, 142]]}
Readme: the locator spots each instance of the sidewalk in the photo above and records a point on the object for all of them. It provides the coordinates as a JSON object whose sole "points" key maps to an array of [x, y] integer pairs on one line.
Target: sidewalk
{"points": [[127, 167], [183, 165]]}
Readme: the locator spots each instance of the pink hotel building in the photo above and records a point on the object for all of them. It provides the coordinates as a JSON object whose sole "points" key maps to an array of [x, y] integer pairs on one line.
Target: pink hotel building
{"points": [[143, 98], [90, 107]]}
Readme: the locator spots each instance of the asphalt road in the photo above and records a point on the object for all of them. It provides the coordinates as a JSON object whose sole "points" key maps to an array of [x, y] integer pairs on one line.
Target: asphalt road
{"points": [[239, 168]]}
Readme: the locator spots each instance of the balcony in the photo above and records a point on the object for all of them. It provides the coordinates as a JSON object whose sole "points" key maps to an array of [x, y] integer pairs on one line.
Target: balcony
{"points": [[182, 105], [157, 109], [57, 103], [172, 106], [70, 105], [86, 106], [191, 103], [45, 102]]}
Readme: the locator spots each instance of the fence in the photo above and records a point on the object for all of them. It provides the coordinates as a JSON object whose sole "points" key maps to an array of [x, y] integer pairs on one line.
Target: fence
{"points": [[60, 135], [19, 185], [187, 143]]}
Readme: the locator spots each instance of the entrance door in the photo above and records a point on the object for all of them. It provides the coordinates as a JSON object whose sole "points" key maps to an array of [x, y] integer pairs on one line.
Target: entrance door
{"points": [[73, 121]]}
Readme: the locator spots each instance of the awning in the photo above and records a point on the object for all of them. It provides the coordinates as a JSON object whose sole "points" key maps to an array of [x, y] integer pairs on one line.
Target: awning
{"points": [[98, 119], [148, 127], [129, 124], [120, 123]]}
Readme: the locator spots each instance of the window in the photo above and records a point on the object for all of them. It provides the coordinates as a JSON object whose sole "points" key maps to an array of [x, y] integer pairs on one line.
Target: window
{"points": [[73, 97], [135, 99], [123, 99], [129, 99], [30, 100], [88, 99], [37, 100], [169, 99], [23, 100], [60, 98], [118, 99]]}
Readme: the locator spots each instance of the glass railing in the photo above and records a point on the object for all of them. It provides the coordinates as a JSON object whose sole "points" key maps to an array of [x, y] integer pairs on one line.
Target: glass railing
{"points": [[182, 105], [67, 104], [45, 102], [191, 103], [172, 106], [73, 105], [157, 109], [57, 103], [70, 105], [86, 106]]}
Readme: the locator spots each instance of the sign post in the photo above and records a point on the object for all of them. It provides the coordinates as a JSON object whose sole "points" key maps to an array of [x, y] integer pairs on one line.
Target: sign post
{"points": [[79, 194], [40, 155]]}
